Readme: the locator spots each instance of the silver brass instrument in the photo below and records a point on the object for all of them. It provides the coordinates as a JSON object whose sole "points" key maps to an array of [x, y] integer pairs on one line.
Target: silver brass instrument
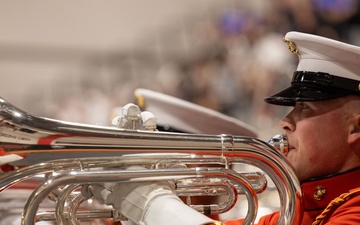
{"points": [[58, 158]]}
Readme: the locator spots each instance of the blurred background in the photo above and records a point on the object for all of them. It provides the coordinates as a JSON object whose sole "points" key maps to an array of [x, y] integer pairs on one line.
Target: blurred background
{"points": [[78, 60]]}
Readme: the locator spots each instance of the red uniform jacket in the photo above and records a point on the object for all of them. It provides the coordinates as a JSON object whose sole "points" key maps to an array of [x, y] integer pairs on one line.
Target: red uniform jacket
{"points": [[319, 193]]}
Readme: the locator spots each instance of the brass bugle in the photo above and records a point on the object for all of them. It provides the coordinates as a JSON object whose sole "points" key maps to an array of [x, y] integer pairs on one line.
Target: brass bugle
{"points": [[70, 155]]}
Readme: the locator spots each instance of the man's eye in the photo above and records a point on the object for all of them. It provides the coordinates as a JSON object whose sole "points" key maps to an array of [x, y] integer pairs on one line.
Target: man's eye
{"points": [[303, 105]]}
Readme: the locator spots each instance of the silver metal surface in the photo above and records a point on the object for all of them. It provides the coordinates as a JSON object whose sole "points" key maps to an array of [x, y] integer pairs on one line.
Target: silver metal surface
{"points": [[280, 142], [70, 155]]}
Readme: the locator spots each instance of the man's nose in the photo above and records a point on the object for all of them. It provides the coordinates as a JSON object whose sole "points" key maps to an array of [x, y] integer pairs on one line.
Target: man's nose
{"points": [[286, 124]]}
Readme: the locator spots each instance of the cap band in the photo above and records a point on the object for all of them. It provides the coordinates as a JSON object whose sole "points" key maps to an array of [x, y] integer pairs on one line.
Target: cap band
{"points": [[326, 80]]}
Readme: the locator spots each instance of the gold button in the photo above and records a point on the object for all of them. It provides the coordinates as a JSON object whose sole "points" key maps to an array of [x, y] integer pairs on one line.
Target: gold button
{"points": [[217, 223], [319, 192]]}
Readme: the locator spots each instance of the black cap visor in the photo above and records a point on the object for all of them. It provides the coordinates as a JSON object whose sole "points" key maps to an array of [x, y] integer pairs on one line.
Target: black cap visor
{"points": [[311, 86], [293, 94]]}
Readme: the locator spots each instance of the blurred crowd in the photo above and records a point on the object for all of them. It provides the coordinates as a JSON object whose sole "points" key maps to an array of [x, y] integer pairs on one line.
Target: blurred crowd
{"points": [[235, 58]]}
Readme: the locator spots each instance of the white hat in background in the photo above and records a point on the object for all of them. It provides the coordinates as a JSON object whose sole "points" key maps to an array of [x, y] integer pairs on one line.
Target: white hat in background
{"points": [[174, 114], [327, 69]]}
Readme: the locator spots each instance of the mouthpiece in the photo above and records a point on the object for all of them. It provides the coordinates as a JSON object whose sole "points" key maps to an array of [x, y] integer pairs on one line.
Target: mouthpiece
{"points": [[280, 142]]}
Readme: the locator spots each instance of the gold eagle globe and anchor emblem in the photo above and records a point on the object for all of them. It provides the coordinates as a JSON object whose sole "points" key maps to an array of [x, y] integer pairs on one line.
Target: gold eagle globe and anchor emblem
{"points": [[319, 192]]}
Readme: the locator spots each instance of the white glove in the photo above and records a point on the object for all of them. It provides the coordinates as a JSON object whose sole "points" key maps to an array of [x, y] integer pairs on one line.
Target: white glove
{"points": [[147, 203]]}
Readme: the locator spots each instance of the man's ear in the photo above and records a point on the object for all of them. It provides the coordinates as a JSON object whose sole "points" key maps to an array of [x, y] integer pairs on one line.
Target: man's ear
{"points": [[354, 136]]}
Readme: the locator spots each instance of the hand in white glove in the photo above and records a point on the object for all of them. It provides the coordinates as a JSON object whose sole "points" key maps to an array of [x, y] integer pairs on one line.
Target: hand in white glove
{"points": [[147, 203]]}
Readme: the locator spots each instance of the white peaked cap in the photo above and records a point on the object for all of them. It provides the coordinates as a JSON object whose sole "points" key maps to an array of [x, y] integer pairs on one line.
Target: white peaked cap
{"points": [[188, 117], [319, 54], [327, 69]]}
